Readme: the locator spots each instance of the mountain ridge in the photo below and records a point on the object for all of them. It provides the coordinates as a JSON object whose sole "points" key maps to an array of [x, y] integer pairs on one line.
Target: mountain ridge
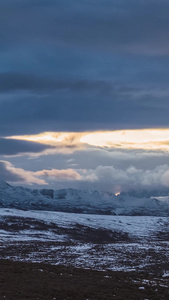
{"points": [[85, 201]]}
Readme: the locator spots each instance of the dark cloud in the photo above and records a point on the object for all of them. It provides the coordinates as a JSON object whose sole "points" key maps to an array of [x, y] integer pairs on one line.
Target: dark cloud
{"points": [[125, 26], [83, 65], [14, 147], [78, 111], [18, 81]]}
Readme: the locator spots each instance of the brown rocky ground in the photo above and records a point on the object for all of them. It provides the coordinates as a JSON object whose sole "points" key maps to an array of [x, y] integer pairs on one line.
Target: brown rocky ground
{"points": [[21, 281]]}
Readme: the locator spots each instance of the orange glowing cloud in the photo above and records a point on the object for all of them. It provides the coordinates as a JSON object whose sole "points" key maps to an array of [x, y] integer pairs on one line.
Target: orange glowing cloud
{"points": [[67, 174]]}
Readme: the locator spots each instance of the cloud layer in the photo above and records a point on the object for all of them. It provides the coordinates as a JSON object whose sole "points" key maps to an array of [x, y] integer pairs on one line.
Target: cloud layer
{"points": [[16, 147], [145, 139], [78, 67], [103, 177], [18, 175], [82, 66], [132, 27]]}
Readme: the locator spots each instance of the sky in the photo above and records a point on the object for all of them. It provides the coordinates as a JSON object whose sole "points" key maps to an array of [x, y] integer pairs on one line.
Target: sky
{"points": [[84, 94]]}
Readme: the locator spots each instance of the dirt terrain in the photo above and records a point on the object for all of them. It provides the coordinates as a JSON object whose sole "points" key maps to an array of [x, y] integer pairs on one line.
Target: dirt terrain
{"points": [[21, 281]]}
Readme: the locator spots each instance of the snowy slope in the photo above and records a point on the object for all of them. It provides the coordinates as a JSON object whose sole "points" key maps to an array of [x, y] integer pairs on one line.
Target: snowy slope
{"points": [[90, 241], [79, 201]]}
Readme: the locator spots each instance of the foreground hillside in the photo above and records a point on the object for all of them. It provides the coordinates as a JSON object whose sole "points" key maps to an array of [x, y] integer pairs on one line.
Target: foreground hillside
{"points": [[23, 281], [153, 203], [66, 256], [117, 243]]}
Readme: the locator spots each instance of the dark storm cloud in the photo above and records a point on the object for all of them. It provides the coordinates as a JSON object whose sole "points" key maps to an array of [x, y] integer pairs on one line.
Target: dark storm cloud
{"points": [[18, 81], [14, 147], [126, 26], [80, 66], [65, 65], [79, 111]]}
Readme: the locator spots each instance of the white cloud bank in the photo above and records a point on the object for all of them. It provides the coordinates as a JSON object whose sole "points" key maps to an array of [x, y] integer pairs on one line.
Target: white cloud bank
{"points": [[103, 177]]}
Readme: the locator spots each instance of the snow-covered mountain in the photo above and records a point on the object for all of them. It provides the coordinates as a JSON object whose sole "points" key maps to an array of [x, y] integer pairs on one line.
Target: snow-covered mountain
{"points": [[154, 203]]}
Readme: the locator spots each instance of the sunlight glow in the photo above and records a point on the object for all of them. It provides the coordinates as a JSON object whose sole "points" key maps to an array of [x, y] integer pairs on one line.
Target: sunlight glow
{"points": [[147, 139], [50, 138]]}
